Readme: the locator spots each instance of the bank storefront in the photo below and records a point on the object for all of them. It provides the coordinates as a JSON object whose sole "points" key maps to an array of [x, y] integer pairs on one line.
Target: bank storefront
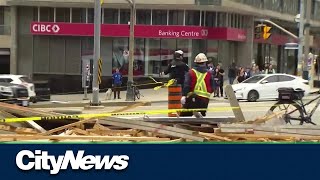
{"points": [[59, 48]]}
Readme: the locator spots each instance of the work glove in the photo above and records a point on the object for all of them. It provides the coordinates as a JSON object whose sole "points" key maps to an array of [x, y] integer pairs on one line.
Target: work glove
{"points": [[183, 100]]}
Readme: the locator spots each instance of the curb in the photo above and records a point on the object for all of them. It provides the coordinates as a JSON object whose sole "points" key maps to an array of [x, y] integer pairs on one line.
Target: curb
{"points": [[105, 104]]}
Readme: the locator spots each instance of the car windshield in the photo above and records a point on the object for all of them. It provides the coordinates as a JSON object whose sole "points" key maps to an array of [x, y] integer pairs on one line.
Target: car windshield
{"points": [[25, 79], [254, 79]]}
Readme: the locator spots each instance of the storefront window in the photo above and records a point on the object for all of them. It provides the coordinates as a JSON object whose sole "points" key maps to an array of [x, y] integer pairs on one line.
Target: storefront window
{"points": [[168, 46], [152, 57], [143, 17], [186, 46], [110, 16], [90, 15], [46, 14], [176, 17], [193, 18], [87, 46], [62, 14], [222, 19], [124, 16], [120, 55], [159, 17], [78, 15], [212, 51], [138, 64], [35, 13], [211, 19], [274, 55]]}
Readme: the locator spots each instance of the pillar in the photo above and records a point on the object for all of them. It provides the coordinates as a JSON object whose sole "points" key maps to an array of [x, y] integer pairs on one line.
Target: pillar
{"points": [[14, 40], [246, 49]]}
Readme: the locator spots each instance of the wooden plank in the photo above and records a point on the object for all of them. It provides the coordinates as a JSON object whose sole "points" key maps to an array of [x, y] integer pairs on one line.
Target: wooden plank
{"points": [[83, 132], [278, 136], [215, 137], [234, 104], [18, 130], [91, 138], [153, 125], [36, 126], [79, 122], [156, 128], [191, 120], [112, 132]]}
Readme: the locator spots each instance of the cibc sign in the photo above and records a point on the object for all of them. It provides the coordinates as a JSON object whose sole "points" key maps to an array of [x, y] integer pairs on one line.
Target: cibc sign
{"points": [[45, 28]]}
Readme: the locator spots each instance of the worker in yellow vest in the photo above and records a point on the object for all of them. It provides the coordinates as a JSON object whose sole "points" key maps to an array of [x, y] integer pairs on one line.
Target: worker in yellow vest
{"points": [[198, 86]]}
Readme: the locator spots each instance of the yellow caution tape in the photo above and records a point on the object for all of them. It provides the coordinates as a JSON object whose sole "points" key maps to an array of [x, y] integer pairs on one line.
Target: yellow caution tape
{"points": [[80, 116]]}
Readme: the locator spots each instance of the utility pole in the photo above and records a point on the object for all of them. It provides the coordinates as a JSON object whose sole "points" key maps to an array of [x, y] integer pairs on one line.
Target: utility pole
{"points": [[301, 39], [130, 90], [96, 57], [307, 40]]}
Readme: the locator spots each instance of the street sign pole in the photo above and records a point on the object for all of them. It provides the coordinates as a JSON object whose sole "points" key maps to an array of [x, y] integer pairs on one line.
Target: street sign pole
{"points": [[96, 57]]}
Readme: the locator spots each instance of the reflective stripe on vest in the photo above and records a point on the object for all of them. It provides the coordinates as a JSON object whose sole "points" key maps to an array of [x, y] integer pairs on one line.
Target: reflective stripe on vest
{"points": [[200, 88]]}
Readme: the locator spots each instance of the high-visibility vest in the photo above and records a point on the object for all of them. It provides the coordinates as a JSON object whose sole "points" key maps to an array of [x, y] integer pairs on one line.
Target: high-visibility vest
{"points": [[200, 88]]}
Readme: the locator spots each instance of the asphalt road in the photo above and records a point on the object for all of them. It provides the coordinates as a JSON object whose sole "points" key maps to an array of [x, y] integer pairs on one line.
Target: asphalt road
{"points": [[251, 110], [218, 107]]}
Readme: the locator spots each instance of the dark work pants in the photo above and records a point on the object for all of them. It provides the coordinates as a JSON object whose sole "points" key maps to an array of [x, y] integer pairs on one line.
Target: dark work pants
{"points": [[221, 89], [195, 102], [116, 90]]}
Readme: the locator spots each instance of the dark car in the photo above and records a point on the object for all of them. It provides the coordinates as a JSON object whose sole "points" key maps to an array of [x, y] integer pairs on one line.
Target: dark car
{"points": [[42, 90], [14, 94]]}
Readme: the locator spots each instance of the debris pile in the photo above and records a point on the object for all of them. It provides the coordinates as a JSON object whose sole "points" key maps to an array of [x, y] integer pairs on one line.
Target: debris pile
{"points": [[114, 129]]}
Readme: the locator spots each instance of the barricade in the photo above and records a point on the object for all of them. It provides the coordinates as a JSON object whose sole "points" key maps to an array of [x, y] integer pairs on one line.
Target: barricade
{"points": [[174, 97]]}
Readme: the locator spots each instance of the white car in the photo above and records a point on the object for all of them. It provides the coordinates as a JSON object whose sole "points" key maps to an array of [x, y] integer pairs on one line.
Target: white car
{"points": [[21, 80], [265, 86]]}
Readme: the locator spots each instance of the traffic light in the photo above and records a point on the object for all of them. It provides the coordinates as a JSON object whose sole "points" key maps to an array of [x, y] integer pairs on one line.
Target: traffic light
{"points": [[262, 31], [266, 32], [258, 31]]}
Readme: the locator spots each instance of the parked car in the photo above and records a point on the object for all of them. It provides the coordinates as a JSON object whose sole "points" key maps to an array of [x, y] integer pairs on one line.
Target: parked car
{"points": [[265, 86], [20, 80], [14, 94], [42, 90]]}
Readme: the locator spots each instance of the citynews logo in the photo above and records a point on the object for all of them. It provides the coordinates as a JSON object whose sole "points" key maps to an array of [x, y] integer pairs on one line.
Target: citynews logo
{"points": [[41, 160]]}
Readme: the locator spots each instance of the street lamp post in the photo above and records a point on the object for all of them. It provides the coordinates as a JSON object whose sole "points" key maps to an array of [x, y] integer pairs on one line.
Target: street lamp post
{"points": [[130, 90]]}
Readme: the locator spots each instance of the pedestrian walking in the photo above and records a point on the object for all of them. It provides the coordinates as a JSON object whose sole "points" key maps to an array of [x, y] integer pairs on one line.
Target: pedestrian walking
{"points": [[222, 73], [216, 83], [198, 87], [116, 83], [177, 68], [232, 73], [270, 70], [241, 76]]}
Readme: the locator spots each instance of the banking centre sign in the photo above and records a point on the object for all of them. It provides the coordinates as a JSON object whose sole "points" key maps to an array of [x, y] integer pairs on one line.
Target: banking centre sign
{"points": [[141, 31]]}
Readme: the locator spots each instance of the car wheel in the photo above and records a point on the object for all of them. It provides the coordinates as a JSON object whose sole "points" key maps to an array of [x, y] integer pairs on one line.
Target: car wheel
{"points": [[253, 96]]}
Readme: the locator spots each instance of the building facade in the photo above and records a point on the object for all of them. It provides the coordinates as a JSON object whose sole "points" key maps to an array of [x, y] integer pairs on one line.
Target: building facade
{"points": [[49, 41]]}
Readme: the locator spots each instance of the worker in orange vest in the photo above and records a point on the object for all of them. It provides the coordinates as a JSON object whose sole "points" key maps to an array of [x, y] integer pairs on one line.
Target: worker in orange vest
{"points": [[198, 86]]}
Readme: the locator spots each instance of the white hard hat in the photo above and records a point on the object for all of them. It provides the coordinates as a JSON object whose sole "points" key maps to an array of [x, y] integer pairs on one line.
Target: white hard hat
{"points": [[179, 52], [200, 58]]}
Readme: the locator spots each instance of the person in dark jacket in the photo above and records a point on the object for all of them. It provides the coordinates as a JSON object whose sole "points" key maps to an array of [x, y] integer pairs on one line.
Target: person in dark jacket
{"points": [[198, 86], [221, 74], [116, 83], [232, 73], [216, 84], [177, 68]]}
